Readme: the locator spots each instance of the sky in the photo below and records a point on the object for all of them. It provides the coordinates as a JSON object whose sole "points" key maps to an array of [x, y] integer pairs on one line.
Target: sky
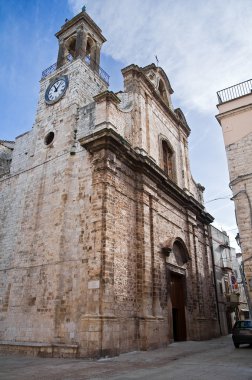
{"points": [[203, 46]]}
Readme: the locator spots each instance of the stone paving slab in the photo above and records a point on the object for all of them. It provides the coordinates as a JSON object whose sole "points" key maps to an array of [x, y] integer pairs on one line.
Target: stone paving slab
{"points": [[215, 359]]}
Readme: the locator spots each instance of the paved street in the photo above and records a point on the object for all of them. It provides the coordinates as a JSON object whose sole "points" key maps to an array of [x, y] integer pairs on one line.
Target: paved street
{"points": [[215, 359]]}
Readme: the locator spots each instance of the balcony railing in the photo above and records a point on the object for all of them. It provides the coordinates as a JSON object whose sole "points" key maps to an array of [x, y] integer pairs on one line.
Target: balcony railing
{"points": [[235, 91], [95, 67], [226, 263], [48, 71], [91, 63], [233, 298]]}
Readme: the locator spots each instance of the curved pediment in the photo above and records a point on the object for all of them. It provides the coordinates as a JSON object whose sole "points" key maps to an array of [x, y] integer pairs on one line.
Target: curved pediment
{"points": [[181, 116], [160, 81], [154, 72], [164, 77]]}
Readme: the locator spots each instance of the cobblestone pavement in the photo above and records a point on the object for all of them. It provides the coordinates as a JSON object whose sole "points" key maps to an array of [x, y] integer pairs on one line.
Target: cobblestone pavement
{"points": [[215, 359]]}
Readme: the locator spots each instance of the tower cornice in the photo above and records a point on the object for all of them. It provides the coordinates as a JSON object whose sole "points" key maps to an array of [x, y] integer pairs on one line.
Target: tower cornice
{"points": [[82, 16]]}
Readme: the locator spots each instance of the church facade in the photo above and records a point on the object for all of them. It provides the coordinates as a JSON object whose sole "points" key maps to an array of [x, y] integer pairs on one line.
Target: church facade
{"points": [[104, 238]]}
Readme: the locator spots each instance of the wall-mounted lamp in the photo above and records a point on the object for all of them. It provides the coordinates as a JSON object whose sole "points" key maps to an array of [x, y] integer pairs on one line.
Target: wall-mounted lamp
{"points": [[239, 192], [166, 251], [237, 238]]}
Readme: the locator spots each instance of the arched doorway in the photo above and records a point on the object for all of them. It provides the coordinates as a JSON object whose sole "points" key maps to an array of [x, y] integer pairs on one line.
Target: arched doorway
{"points": [[177, 259]]}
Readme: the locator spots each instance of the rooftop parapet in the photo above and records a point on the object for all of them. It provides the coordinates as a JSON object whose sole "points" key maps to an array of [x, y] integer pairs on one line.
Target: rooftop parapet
{"points": [[234, 92]]}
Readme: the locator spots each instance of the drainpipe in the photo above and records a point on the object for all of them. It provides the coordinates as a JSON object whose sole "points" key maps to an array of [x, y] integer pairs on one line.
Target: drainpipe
{"points": [[244, 282]]}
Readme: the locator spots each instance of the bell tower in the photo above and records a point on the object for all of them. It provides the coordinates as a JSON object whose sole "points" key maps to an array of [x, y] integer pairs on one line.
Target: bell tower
{"points": [[68, 85], [78, 62], [80, 38]]}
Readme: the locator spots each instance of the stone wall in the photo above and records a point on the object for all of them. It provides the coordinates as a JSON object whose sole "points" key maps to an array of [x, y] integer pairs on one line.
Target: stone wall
{"points": [[239, 155], [235, 120], [44, 256]]}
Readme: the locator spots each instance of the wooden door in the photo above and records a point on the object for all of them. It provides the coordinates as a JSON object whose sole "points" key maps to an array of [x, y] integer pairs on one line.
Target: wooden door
{"points": [[178, 307]]}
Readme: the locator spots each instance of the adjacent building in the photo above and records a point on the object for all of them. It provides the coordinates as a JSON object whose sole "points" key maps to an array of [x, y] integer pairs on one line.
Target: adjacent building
{"points": [[104, 237], [230, 294], [235, 116]]}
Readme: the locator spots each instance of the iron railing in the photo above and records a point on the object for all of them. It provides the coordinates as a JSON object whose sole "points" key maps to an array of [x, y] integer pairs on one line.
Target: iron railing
{"points": [[48, 71], [90, 62], [53, 68], [235, 91], [102, 73]]}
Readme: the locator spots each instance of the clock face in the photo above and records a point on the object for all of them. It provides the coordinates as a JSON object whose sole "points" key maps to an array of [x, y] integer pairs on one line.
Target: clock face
{"points": [[56, 90]]}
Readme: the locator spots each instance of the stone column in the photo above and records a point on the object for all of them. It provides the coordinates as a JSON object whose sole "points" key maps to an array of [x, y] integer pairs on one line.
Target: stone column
{"points": [[93, 58], [97, 54], [61, 54], [81, 43]]}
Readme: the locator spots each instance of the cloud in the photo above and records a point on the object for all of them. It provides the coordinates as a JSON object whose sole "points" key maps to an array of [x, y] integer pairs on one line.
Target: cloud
{"points": [[202, 46]]}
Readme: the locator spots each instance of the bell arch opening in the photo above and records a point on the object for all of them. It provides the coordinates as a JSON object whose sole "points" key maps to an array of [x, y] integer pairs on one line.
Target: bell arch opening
{"points": [[71, 47], [89, 49]]}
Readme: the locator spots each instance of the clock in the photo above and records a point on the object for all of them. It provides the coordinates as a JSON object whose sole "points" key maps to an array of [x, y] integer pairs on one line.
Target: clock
{"points": [[56, 89]]}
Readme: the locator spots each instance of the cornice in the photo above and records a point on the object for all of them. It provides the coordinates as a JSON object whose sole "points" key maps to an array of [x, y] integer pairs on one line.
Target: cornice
{"points": [[110, 140], [81, 16], [108, 96], [234, 111]]}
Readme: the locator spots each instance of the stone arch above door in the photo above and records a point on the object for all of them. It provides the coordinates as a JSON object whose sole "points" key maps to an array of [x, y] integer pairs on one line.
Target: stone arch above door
{"points": [[176, 250]]}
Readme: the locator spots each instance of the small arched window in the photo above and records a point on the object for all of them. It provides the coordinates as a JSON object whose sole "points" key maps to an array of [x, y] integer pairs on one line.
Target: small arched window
{"points": [[162, 91], [167, 159]]}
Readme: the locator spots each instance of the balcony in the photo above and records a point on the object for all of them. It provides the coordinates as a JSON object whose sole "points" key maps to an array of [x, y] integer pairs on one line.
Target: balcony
{"points": [[226, 264], [234, 92], [233, 298], [92, 64]]}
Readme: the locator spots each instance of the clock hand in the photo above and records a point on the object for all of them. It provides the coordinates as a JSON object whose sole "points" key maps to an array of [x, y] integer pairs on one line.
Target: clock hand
{"points": [[59, 85]]}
